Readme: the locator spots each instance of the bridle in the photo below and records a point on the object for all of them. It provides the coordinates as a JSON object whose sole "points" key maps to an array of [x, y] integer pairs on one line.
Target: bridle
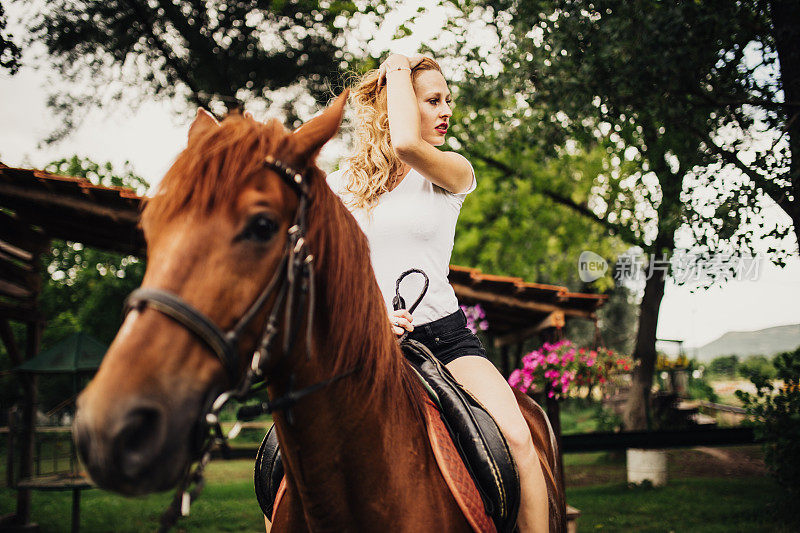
{"points": [[293, 287]]}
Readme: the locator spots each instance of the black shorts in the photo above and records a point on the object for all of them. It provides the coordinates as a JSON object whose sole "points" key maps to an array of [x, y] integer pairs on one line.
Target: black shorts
{"points": [[449, 338]]}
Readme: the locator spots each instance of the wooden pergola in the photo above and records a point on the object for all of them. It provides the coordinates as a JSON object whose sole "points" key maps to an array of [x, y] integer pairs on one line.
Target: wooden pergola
{"points": [[517, 310], [37, 206]]}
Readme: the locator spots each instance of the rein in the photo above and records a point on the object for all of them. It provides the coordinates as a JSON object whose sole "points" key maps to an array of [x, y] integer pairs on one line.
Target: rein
{"points": [[293, 286], [399, 303]]}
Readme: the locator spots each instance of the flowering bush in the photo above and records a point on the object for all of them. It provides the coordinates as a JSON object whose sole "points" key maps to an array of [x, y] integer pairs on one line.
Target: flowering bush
{"points": [[476, 318], [562, 368]]}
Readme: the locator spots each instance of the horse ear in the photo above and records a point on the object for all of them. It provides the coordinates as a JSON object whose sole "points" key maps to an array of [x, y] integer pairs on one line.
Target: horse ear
{"points": [[202, 122], [312, 136]]}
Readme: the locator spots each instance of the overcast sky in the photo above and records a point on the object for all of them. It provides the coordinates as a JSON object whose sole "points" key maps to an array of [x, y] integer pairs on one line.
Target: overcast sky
{"points": [[152, 136]]}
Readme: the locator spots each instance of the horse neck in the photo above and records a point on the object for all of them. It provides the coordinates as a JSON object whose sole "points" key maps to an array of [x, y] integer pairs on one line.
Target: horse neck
{"points": [[362, 417]]}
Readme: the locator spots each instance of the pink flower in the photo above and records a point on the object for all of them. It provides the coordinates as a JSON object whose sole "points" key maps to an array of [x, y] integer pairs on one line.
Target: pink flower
{"points": [[527, 381]]}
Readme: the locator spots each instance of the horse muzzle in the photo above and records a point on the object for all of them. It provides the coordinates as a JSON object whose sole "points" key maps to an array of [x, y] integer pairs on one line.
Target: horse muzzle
{"points": [[131, 447]]}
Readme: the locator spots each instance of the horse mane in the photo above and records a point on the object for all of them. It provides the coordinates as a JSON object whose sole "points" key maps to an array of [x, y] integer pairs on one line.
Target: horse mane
{"points": [[355, 308], [210, 174], [214, 168]]}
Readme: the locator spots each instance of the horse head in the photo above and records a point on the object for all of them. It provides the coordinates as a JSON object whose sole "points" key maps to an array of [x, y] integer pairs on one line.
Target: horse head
{"points": [[218, 232]]}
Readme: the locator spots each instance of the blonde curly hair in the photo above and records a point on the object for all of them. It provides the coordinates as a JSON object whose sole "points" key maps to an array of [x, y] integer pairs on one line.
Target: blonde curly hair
{"points": [[374, 165]]}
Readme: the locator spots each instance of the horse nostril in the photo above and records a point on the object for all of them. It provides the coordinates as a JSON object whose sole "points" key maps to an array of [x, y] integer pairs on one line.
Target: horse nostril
{"points": [[138, 441]]}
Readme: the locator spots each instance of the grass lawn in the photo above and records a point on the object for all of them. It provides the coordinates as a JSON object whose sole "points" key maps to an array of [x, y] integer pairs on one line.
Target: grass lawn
{"points": [[226, 504], [709, 490], [689, 504], [725, 489]]}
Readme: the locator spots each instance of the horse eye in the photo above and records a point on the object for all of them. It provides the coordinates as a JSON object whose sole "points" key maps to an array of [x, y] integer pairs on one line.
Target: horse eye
{"points": [[261, 228]]}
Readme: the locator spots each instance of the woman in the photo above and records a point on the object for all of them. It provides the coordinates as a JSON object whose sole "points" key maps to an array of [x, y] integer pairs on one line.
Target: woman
{"points": [[406, 195]]}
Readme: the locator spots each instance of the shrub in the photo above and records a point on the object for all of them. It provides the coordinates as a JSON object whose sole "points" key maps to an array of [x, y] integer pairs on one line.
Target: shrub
{"points": [[699, 389], [757, 364], [775, 415], [724, 366]]}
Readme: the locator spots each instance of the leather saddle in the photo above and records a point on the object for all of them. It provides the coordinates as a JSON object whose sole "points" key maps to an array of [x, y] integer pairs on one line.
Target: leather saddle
{"points": [[474, 432]]}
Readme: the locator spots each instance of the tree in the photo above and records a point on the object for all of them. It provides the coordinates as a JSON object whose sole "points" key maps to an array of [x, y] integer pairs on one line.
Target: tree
{"points": [[215, 54], [509, 229], [84, 288], [9, 52], [522, 222], [659, 85]]}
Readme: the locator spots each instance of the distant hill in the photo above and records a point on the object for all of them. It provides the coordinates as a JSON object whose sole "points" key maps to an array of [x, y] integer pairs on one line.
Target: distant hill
{"points": [[767, 342]]}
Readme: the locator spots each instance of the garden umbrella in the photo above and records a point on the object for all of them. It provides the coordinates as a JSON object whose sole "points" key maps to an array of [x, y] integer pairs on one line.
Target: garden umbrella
{"points": [[76, 354]]}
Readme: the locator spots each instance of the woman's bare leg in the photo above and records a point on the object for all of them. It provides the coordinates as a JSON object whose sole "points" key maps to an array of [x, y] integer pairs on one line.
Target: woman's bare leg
{"points": [[267, 523], [480, 377]]}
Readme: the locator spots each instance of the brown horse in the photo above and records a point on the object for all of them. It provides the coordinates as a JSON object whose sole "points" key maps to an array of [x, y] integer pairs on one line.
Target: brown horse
{"points": [[356, 452]]}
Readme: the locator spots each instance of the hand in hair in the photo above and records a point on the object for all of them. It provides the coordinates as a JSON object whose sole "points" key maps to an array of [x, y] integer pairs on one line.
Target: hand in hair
{"points": [[397, 62]]}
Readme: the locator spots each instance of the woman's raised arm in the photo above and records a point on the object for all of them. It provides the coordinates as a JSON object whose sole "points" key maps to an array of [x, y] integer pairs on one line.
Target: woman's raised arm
{"points": [[419, 115]]}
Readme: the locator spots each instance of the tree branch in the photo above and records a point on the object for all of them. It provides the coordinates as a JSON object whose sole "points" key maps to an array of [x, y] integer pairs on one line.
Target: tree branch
{"points": [[201, 46], [180, 70], [729, 157], [761, 102], [616, 229]]}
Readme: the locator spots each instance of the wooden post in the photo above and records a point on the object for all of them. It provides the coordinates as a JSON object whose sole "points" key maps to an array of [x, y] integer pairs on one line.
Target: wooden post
{"points": [[518, 355], [491, 347], [76, 510], [28, 426], [12, 445], [506, 363]]}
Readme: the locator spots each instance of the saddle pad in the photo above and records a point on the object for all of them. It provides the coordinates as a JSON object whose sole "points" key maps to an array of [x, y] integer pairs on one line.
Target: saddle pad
{"points": [[278, 496], [455, 473]]}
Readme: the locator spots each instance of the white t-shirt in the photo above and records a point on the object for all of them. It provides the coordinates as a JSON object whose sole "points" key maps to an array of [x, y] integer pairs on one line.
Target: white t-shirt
{"points": [[411, 226]]}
